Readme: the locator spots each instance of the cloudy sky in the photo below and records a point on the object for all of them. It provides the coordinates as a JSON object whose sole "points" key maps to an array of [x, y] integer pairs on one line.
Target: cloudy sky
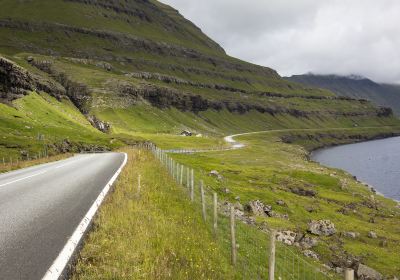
{"points": [[299, 36]]}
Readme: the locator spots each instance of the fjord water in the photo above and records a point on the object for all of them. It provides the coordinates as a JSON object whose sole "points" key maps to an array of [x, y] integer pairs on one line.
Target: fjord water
{"points": [[376, 163]]}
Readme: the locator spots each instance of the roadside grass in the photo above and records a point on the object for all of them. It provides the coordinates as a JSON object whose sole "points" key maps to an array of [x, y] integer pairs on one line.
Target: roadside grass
{"points": [[154, 234], [6, 167]]}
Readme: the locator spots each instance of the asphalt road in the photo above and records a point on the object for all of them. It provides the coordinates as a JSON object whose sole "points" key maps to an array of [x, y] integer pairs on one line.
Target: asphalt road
{"points": [[41, 206]]}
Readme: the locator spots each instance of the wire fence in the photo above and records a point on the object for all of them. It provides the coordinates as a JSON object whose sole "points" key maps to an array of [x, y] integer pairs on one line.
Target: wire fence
{"points": [[11, 161], [253, 252]]}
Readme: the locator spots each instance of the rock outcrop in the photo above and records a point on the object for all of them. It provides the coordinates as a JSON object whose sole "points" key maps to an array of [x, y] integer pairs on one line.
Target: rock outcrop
{"points": [[322, 227], [16, 82], [100, 125], [257, 208], [366, 273], [286, 236]]}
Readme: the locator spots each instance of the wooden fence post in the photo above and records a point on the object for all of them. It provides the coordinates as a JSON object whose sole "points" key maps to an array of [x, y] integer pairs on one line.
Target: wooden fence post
{"points": [[187, 177], [271, 270], [203, 202], [233, 237], [348, 274], [215, 213], [192, 185], [181, 179], [178, 172]]}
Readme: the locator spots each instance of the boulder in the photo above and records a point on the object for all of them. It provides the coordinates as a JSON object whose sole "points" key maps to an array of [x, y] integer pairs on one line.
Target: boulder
{"points": [[303, 192], [287, 237], [322, 227], [226, 190], [351, 234], [310, 209], [280, 202], [372, 234], [256, 207], [308, 242], [339, 270], [278, 215], [366, 273], [238, 206], [215, 173], [310, 254]]}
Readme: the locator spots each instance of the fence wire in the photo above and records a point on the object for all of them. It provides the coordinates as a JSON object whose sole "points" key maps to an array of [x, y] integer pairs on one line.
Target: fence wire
{"points": [[252, 244]]}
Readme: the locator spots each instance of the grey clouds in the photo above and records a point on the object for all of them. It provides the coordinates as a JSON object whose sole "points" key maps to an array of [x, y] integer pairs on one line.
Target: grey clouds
{"points": [[299, 36]]}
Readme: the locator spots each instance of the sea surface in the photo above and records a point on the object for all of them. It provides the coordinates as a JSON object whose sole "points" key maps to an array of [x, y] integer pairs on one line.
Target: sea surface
{"points": [[376, 163]]}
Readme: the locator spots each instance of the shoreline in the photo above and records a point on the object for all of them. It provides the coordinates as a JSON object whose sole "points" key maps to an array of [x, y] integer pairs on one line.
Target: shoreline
{"points": [[372, 188], [237, 145]]}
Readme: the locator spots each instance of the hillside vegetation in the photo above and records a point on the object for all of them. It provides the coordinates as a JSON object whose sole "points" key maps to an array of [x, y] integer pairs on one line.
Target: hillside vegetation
{"points": [[83, 75]]}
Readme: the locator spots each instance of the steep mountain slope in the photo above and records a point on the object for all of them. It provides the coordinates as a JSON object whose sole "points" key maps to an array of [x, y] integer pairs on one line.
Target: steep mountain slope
{"points": [[142, 61], [355, 87]]}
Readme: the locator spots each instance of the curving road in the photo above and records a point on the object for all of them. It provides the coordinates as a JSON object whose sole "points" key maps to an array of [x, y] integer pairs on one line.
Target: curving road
{"points": [[42, 206]]}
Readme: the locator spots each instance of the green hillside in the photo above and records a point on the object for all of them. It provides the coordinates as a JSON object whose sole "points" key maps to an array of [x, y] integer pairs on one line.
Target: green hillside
{"points": [[81, 75]]}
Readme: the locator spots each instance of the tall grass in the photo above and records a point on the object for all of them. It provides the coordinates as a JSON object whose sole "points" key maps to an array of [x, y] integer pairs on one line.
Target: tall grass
{"points": [[154, 234]]}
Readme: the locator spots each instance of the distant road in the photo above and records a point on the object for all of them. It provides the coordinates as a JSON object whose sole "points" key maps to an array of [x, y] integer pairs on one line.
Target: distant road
{"points": [[41, 207]]}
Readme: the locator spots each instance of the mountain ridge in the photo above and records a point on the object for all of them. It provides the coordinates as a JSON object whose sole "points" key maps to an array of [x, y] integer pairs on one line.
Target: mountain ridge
{"points": [[387, 95]]}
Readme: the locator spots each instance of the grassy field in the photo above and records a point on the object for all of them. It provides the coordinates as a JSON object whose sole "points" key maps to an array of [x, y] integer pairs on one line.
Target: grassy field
{"points": [[154, 234], [269, 170]]}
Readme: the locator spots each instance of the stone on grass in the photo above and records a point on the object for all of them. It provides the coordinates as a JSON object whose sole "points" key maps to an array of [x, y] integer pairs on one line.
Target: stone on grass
{"points": [[372, 234], [308, 242], [215, 173], [287, 237], [310, 254], [256, 207], [226, 190], [366, 273], [351, 234], [280, 202], [322, 227]]}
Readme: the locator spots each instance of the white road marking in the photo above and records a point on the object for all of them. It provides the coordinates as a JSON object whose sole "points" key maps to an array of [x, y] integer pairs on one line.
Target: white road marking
{"points": [[24, 178], [68, 163], [58, 266]]}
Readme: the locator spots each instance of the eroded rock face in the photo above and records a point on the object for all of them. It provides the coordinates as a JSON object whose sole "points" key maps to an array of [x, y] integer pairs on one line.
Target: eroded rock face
{"points": [[366, 273], [100, 125], [16, 82], [322, 227]]}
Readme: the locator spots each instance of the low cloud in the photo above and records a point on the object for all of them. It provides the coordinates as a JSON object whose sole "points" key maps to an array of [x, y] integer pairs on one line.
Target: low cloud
{"points": [[295, 37]]}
